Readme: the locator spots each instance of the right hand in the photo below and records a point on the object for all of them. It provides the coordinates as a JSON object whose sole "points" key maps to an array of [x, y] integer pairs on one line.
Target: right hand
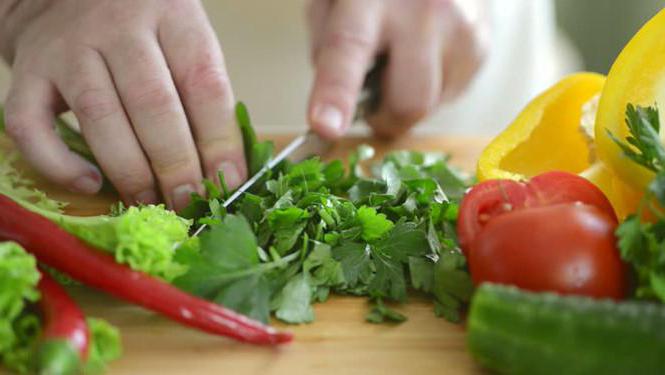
{"points": [[434, 48], [147, 82]]}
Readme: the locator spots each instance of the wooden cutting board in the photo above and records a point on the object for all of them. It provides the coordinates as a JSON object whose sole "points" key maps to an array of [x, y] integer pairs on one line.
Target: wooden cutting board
{"points": [[338, 342]]}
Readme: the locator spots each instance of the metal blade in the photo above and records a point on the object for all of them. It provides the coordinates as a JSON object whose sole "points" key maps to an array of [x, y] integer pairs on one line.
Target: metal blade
{"points": [[302, 147]]}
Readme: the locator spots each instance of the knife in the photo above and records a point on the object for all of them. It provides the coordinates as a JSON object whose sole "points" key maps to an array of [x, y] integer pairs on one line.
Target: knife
{"points": [[299, 149], [310, 143]]}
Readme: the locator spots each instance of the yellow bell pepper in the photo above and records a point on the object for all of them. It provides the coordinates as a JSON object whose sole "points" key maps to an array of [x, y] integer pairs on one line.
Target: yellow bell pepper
{"points": [[547, 135], [637, 77], [623, 197]]}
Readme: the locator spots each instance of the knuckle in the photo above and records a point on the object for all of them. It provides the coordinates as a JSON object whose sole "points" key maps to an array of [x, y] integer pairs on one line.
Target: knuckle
{"points": [[169, 163], [133, 175], [95, 104], [411, 101], [384, 128], [152, 96], [349, 43], [212, 144], [407, 114], [16, 125], [132, 180], [212, 148], [337, 85], [207, 80]]}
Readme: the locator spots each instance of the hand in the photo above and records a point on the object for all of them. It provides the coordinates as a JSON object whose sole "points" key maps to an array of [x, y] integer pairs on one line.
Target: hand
{"points": [[147, 82], [434, 49]]}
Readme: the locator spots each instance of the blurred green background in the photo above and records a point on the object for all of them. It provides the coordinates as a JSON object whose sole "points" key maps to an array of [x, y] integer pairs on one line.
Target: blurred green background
{"points": [[600, 28]]}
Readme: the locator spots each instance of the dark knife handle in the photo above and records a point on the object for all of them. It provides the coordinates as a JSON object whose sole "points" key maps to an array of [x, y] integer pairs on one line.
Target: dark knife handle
{"points": [[370, 98]]}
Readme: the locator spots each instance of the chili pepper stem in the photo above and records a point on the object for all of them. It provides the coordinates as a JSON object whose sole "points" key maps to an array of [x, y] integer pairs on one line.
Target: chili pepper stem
{"points": [[57, 357], [65, 339]]}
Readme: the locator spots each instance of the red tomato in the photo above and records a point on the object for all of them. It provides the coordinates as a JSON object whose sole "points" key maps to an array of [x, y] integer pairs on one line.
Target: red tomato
{"points": [[565, 248], [492, 198]]}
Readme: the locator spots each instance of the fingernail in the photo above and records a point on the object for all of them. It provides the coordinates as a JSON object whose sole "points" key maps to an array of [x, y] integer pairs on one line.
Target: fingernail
{"points": [[88, 184], [181, 196], [231, 174], [329, 118], [146, 197]]}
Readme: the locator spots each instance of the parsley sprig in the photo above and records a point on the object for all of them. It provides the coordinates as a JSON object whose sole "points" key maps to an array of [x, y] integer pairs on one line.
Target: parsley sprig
{"points": [[643, 145], [642, 244]]}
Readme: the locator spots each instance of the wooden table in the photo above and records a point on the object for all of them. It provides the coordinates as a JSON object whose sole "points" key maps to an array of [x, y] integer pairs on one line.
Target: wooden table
{"points": [[338, 342]]}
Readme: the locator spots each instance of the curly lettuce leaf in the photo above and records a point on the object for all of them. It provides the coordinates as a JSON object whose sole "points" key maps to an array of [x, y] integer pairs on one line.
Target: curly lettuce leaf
{"points": [[147, 238], [14, 185], [18, 286], [105, 346], [18, 357]]}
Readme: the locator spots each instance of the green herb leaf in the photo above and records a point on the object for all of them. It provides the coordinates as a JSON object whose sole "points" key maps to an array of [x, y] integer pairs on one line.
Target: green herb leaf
{"points": [[380, 313], [355, 261], [643, 144], [257, 153], [249, 295], [294, 301], [374, 225], [643, 244], [287, 224], [406, 239], [421, 270]]}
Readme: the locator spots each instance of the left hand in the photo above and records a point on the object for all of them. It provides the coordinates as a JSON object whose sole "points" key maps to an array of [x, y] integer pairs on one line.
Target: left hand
{"points": [[434, 49]]}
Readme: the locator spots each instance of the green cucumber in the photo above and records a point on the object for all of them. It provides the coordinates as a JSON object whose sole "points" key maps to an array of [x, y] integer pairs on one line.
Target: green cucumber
{"points": [[517, 332]]}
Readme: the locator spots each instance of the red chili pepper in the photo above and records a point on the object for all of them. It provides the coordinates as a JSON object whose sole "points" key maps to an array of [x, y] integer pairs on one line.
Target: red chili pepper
{"points": [[53, 246], [64, 342]]}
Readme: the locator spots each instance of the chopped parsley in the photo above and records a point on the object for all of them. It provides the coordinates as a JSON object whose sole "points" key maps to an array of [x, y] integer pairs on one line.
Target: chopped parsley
{"points": [[314, 228]]}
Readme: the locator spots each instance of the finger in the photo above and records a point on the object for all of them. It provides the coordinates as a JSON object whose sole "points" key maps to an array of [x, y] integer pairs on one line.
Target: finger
{"points": [[88, 90], [349, 43], [317, 12], [197, 64], [412, 82], [463, 56], [29, 122], [150, 98]]}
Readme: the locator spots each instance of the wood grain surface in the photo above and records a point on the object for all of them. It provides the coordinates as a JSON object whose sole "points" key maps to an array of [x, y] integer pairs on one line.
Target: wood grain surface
{"points": [[338, 342]]}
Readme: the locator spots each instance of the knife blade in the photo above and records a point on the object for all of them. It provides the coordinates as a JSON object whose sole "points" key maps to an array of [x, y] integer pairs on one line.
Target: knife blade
{"points": [[310, 143], [300, 148]]}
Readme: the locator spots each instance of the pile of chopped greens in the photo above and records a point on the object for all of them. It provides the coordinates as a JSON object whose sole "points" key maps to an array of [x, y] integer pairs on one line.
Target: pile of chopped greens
{"points": [[642, 242], [313, 227]]}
